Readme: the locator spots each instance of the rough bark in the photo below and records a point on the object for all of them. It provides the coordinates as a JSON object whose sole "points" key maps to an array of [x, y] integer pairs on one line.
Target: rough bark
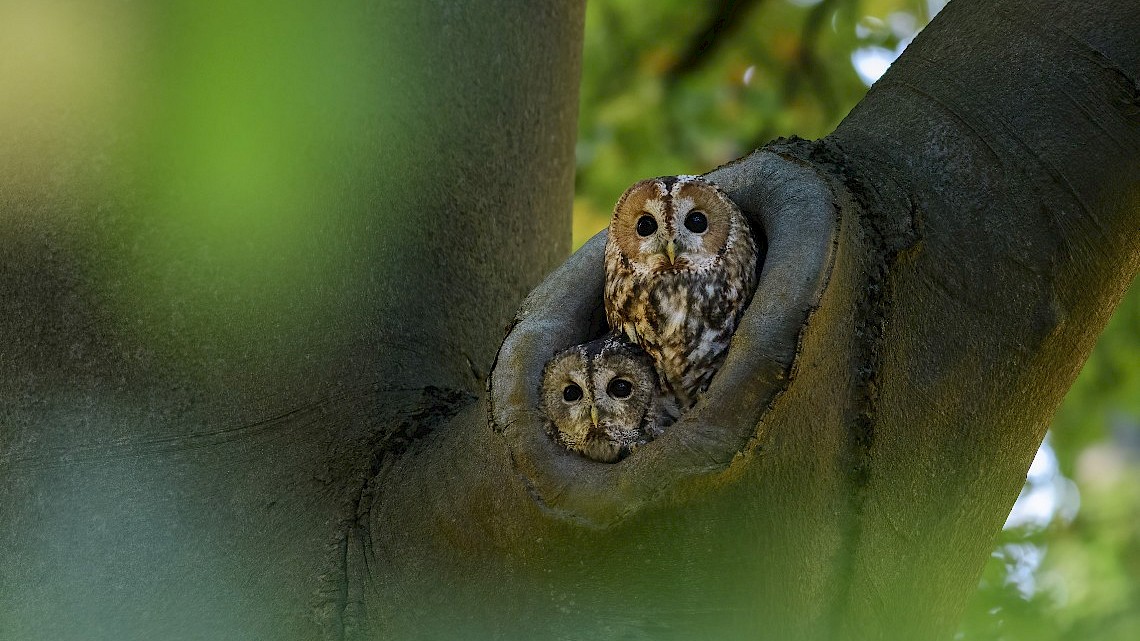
{"points": [[937, 271]]}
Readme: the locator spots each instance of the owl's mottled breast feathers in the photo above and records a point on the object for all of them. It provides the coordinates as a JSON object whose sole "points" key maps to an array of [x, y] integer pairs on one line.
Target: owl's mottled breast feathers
{"points": [[681, 267]]}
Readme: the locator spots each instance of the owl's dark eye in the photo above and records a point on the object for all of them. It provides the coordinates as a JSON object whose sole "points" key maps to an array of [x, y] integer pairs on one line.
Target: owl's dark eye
{"points": [[696, 222], [620, 388], [571, 393], [646, 225]]}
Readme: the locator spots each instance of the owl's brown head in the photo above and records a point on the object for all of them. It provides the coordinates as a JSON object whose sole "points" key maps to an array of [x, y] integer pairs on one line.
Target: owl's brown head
{"points": [[675, 224], [599, 398]]}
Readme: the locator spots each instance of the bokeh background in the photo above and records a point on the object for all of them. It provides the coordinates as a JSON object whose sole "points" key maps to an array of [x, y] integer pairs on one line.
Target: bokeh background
{"points": [[672, 86], [265, 92]]}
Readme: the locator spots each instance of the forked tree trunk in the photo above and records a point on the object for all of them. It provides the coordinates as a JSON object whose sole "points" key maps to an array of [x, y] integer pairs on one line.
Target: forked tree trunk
{"points": [[937, 271]]}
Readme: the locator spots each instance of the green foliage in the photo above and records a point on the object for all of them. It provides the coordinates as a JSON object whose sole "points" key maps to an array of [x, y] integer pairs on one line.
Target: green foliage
{"points": [[654, 103], [664, 92]]}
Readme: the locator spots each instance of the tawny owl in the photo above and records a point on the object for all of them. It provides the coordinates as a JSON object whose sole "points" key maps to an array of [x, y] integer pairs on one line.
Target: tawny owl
{"points": [[602, 399], [681, 266]]}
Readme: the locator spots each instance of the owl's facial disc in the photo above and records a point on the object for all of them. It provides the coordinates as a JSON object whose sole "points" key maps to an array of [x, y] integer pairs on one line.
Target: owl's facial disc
{"points": [[670, 225], [640, 225], [701, 218], [655, 234], [657, 249]]}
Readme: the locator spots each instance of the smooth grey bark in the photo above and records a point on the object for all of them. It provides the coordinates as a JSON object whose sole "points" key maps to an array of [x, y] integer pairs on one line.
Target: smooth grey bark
{"points": [[955, 247]]}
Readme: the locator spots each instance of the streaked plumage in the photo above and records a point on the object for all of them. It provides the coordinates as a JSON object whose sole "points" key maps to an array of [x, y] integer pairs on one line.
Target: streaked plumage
{"points": [[681, 266], [602, 399]]}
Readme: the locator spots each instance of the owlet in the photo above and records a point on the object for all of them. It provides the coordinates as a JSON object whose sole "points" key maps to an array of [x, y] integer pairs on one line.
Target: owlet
{"points": [[681, 266], [602, 399]]}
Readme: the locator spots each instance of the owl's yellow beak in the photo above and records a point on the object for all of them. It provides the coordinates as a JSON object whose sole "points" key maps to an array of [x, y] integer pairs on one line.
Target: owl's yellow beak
{"points": [[594, 415], [671, 252]]}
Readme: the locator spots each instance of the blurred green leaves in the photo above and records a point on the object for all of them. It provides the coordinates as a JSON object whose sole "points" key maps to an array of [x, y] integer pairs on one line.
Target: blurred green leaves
{"points": [[242, 128], [677, 87]]}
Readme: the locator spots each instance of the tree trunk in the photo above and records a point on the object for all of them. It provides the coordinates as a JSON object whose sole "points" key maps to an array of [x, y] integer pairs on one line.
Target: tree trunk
{"points": [[285, 241], [194, 449]]}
